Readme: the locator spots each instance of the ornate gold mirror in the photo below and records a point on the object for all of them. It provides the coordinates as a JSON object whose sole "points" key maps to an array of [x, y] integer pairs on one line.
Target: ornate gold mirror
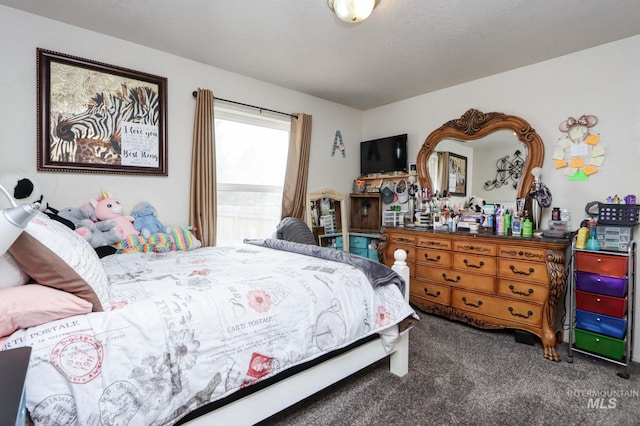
{"points": [[474, 125]]}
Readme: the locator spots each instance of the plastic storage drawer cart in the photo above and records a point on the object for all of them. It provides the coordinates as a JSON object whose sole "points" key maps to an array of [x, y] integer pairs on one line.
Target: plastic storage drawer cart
{"points": [[601, 304]]}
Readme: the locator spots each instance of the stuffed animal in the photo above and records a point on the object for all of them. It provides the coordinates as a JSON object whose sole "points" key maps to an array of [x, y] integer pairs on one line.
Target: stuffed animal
{"points": [[101, 233], [474, 204], [77, 214], [146, 220], [23, 188], [179, 238], [108, 208]]}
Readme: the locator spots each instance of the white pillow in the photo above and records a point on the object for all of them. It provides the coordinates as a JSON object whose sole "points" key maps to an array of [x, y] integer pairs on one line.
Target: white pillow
{"points": [[10, 273], [56, 256]]}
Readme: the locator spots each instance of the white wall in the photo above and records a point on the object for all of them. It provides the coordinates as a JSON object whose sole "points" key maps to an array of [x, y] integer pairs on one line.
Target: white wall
{"points": [[22, 33], [602, 81]]}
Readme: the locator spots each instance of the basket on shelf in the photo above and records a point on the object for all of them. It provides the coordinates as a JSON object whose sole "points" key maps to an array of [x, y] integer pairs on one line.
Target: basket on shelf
{"points": [[618, 214]]}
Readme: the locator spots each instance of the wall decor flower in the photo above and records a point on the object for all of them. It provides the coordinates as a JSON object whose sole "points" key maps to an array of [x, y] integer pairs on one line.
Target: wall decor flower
{"points": [[579, 153]]}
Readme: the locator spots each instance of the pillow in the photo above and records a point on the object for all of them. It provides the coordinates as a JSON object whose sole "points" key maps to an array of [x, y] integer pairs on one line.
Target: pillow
{"points": [[55, 256], [10, 273], [294, 229], [32, 304]]}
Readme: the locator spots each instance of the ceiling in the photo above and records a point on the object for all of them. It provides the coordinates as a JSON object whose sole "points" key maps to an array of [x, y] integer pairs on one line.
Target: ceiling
{"points": [[406, 48]]}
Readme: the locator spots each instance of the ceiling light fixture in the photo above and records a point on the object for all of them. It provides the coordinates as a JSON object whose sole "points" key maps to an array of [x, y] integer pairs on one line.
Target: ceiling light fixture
{"points": [[352, 11]]}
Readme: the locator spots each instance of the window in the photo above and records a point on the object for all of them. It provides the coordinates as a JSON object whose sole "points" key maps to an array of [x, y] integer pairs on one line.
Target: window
{"points": [[251, 158]]}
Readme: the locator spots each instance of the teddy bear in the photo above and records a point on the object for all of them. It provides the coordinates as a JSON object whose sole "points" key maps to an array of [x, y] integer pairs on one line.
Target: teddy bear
{"points": [[146, 220]]}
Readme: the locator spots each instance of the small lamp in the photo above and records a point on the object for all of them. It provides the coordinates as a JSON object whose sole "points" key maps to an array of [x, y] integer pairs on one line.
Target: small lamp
{"points": [[13, 220], [352, 11]]}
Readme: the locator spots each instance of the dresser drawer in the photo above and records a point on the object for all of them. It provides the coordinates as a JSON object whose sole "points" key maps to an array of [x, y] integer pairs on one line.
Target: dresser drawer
{"points": [[434, 242], [602, 324], [616, 266], [523, 270], [456, 278], [601, 304], [434, 257], [601, 284], [529, 292], [391, 248], [475, 248], [511, 310], [402, 239], [474, 264], [430, 291], [603, 345], [522, 253]]}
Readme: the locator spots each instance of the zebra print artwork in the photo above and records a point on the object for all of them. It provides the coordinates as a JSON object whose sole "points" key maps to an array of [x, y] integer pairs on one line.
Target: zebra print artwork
{"points": [[93, 136], [99, 118]]}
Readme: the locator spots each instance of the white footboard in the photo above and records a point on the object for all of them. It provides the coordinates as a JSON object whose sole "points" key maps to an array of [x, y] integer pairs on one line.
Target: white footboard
{"points": [[266, 402]]}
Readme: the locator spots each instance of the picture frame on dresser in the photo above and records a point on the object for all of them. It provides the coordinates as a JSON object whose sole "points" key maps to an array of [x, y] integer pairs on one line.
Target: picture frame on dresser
{"points": [[95, 117]]}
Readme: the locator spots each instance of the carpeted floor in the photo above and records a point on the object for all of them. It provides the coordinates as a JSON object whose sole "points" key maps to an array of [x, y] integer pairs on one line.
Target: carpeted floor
{"points": [[466, 376]]}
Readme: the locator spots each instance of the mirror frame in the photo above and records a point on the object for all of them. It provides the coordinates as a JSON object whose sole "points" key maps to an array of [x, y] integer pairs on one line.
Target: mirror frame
{"points": [[475, 124]]}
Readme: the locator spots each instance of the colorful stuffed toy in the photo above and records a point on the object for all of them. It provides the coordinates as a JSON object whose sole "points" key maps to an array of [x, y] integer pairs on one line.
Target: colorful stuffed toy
{"points": [[179, 238], [146, 220], [108, 208]]}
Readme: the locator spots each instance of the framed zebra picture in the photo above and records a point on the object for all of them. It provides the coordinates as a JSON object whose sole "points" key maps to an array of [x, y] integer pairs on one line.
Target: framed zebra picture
{"points": [[99, 118]]}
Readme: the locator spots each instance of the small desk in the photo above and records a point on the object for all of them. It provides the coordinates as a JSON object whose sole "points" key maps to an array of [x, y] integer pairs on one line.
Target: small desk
{"points": [[13, 370]]}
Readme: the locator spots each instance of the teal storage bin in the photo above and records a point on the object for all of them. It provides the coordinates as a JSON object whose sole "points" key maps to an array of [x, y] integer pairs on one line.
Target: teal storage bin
{"points": [[358, 242]]}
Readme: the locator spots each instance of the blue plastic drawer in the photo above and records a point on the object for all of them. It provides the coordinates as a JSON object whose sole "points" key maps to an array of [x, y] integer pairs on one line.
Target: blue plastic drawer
{"points": [[601, 324], [358, 242], [373, 253], [339, 241], [359, 251]]}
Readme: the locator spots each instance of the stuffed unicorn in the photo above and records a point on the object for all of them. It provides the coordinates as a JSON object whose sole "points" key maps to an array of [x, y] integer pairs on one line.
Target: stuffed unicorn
{"points": [[108, 208]]}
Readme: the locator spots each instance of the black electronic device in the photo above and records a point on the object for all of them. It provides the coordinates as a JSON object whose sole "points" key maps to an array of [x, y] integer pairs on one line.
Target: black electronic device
{"points": [[384, 155]]}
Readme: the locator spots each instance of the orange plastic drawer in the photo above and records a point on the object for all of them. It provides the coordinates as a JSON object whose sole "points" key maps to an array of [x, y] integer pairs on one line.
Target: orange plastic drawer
{"points": [[597, 263]]}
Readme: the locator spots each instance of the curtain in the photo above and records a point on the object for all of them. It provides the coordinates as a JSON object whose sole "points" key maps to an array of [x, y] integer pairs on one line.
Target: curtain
{"points": [[297, 173], [443, 171], [202, 199]]}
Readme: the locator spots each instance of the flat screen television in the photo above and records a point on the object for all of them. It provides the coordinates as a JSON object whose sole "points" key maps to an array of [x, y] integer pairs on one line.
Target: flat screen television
{"points": [[384, 155]]}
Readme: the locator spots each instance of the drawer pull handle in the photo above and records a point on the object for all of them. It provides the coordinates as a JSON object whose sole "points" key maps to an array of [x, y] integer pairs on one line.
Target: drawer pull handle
{"points": [[431, 259], [513, 269], [464, 300], [516, 314], [451, 280], [471, 265], [426, 291], [520, 293]]}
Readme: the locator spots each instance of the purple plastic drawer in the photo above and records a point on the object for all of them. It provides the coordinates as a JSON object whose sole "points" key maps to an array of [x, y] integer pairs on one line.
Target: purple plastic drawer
{"points": [[601, 284]]}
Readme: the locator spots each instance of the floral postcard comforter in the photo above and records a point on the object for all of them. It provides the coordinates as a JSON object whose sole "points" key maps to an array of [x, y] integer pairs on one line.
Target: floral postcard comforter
{"points": [[192, 327]]}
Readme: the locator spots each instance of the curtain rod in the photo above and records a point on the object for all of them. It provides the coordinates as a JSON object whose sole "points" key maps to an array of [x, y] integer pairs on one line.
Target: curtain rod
{"points": [[195, 93]]}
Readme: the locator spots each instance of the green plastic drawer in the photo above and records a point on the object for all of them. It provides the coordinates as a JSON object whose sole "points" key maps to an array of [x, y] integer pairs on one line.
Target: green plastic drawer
{"points": [[358, 242], [599, 344]]}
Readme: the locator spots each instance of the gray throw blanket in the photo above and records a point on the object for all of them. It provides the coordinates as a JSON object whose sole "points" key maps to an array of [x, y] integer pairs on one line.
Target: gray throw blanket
{"points": [[377, 273]]}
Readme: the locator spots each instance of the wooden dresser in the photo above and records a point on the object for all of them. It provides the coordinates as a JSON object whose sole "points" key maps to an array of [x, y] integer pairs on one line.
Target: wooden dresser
{"points": [[485, 280]]}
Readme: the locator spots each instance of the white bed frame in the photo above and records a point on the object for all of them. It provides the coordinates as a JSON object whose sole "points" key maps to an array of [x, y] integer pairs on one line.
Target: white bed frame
{"points": [[272, 399]]}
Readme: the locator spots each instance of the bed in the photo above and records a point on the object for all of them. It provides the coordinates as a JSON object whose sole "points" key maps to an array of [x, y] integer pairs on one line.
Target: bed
{"points": [[224, 334]]}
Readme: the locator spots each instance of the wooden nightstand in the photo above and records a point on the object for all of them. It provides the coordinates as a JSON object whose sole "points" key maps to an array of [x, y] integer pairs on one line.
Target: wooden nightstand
{"points": [[13, 370]]}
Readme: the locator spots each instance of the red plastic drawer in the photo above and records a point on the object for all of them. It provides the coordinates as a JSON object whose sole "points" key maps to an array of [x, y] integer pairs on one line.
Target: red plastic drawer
{"points": [[601, 304], [597, 263]]}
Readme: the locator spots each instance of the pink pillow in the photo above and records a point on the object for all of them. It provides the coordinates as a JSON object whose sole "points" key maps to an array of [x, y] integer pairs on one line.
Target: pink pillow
{"points": [[33, 304]]}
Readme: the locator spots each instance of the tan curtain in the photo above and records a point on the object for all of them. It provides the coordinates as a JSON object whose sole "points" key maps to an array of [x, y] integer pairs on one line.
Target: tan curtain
{"points": [[443, 171], [202, 201], [297, 174]]}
